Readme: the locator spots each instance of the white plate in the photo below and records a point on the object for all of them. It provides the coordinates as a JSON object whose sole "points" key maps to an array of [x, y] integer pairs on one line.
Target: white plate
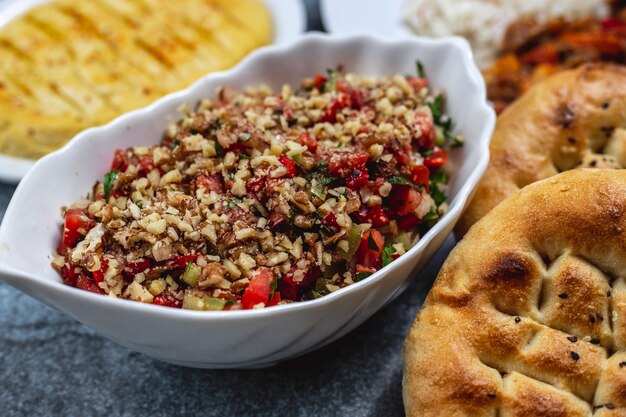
{"points": [[373, 17], [289, 22]]}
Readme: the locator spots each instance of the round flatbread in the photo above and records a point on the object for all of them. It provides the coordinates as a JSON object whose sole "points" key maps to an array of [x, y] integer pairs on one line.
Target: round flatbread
{"points": [[574, 119], [528, 314]]}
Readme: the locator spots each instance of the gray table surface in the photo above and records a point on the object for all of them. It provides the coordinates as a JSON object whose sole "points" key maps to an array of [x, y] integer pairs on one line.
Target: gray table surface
{"points": [[51, 365]]}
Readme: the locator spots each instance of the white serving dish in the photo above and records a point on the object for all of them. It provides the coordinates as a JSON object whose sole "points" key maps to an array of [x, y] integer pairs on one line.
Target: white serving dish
{"points": [[289, 18], [374, 17], [246, 338]]}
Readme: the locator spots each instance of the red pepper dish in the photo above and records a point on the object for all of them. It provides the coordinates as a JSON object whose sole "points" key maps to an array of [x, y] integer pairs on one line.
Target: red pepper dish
{"points": [[258, 198]]}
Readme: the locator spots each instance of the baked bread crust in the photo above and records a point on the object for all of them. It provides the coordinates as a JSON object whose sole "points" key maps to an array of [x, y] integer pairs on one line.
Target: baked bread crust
{"points": [[68, 65], [573, 119], [528, 314]]}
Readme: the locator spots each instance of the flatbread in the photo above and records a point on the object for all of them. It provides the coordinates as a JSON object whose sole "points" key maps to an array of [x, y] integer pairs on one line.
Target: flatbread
{"points": [[68, 65], [573, 119], [528, 314]]}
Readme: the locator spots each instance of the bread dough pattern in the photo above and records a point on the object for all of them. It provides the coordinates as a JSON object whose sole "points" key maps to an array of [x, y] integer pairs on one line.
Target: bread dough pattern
{"points": [[575, 119], [528, 315]]}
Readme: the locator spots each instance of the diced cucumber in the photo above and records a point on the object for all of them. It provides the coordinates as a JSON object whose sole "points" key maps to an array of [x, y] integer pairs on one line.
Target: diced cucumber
{"points": [[205, 303], [191, 274], [191, 302], [405, 240], [354, 240]]}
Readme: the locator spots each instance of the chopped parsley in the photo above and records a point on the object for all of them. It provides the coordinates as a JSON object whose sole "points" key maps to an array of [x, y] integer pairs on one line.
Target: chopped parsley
{"points": [[362, 275], [234, 202], [420, 69], [388, 250], [174, 144], [109, 178]]}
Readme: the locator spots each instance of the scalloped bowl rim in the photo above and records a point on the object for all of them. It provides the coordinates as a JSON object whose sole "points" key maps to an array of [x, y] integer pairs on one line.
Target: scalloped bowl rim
{"points": [[453, 212]]}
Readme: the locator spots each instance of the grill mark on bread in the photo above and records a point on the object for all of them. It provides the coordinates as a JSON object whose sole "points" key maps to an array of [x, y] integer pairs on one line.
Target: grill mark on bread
{"points": [[87, 22], [54, 35]]}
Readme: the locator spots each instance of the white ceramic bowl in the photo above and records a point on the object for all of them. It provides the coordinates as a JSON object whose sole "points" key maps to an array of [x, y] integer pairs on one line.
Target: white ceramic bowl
{"points": [[248, 338]]}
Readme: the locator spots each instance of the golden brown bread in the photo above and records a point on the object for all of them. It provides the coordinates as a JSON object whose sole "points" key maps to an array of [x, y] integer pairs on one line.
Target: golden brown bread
{"points": [[68, 65], [574, 119], [528, 314]]}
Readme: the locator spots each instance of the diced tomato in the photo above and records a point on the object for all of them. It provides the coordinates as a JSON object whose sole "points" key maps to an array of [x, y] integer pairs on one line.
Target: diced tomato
{"points": [[330, 114], [120, 161], [420, 175], [289, 288], [259, 289], [133, 268], [355, 94], [342, 164], [403, 156], [182, 261], [436, 159], [167, 299], [77, 224], [213, 182], [274, 300], [336, 105], [237, 147], [86, 283], [98, 276], [289, 164], [424, 124], [357, 179], [417, 83], [69, 275], [370, 249], [256, 185], [146, 164], [309, 141], [330, 222], [404, 200], [373, 215], [318, 81], [408, 222]]}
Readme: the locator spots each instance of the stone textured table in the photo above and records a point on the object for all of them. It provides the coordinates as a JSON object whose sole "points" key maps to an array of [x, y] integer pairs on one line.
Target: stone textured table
{"points": [[51, 365]]}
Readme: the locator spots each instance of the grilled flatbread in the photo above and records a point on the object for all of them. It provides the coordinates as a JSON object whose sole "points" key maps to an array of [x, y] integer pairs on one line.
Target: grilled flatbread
{"points": [[528, 314], [68, 65], [574, 119]]}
